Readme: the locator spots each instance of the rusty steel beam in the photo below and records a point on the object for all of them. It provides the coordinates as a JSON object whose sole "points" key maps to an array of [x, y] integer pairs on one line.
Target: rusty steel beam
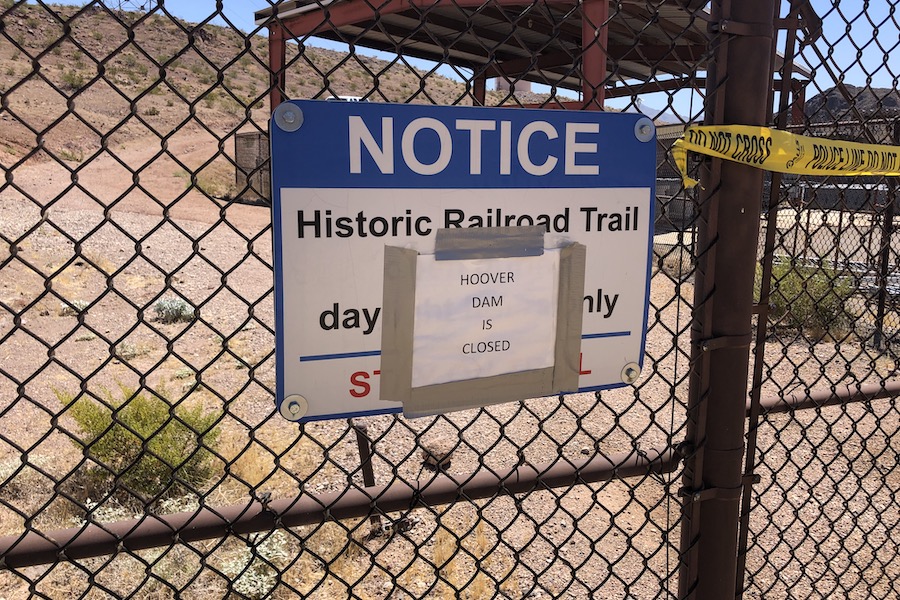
{"points": [[340, 14], [762, 308], [678, 83], [594, 41], [479, 89], [657, 53], [887, 234], [424, 36], [521, 66], [798, 105], [490, 38], [646, 13], [277, 59], [33, 548], [552, 105]]}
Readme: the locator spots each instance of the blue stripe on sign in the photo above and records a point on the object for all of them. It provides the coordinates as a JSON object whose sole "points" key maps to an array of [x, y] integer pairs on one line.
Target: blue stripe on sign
{"points": [[358, 413], [592, 336], [337, 356]]}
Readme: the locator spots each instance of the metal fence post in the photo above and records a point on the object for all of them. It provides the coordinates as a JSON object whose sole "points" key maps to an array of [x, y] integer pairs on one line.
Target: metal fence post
{"points": [[594, 41], [887, 233], [277, 62], [366, 451], [738, 82]]}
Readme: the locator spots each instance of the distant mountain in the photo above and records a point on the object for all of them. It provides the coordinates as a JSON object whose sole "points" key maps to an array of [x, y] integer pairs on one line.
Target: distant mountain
{"points": [[830, 105]]}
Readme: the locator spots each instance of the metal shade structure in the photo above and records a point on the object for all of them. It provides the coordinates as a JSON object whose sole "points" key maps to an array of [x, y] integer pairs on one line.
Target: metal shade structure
{"points": [[560, 43], [577, 45]]}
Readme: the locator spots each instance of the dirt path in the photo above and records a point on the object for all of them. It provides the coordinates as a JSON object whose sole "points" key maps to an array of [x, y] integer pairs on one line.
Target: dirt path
{"points": [[158, 184]]}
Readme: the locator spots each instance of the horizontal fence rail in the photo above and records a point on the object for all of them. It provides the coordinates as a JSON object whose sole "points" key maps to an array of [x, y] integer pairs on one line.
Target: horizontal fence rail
{"points": [[141, 534], [97, 540]]}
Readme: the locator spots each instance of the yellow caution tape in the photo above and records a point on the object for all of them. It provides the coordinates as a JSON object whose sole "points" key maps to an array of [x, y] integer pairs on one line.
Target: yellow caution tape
{"points": [[783, 152]]}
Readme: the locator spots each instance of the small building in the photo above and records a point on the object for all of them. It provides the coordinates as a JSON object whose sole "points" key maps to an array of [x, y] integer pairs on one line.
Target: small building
{"points": [[251, 176]]}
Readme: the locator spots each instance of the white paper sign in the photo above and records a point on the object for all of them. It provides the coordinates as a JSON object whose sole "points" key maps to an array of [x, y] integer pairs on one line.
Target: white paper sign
{"points": [[484, 317]]}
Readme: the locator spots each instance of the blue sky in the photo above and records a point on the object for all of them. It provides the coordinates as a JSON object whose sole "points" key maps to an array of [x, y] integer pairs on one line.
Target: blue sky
{"points": [[858, 52], [239, 12], [848, 40]]}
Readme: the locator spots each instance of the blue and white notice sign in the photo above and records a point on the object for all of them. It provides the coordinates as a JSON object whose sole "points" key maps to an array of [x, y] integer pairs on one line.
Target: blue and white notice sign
{"points": [[349, 179]]}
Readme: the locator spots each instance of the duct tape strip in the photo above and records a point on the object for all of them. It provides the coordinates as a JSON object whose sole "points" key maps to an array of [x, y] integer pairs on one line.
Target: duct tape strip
{"points": [[488, 242], [784, 152]]}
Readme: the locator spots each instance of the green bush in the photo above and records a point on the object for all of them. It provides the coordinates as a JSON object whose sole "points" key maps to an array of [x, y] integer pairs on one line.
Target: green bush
{"points": [[809, 298], [141, 444], [72, 80], [172, 310]]}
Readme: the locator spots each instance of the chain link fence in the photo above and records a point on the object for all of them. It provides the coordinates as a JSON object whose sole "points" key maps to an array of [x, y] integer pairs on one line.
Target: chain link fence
{"points": [[822, 517], [137, 322]]}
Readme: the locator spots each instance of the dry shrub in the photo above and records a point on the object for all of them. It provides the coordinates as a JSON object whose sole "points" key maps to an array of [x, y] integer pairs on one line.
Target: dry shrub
{"points": [[139, 443], [810, 299], [249, 460]]}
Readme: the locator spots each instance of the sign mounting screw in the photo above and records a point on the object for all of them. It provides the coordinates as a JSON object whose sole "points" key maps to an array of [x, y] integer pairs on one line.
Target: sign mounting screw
{"points": [[631, 372], [294, 407], [644, 129], [288, 117]]}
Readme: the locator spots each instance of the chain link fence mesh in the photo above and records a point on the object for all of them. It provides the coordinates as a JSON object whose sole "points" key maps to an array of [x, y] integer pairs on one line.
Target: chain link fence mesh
{"points": [[823, 516], [137, 326]]}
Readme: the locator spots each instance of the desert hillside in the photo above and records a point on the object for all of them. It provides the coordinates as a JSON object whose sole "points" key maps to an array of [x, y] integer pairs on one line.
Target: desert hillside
{"points": [[76, 82]]}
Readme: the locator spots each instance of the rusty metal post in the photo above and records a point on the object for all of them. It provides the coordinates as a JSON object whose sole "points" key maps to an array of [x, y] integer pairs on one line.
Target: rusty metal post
{"points": [[738, 83], [594, 41], [798, 106], [479, 88], [842, 203], [277, 59], [887, 232], [364, 445]]}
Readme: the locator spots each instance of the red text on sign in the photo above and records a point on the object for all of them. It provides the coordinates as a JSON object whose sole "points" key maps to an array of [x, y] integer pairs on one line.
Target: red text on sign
{"points": [[581, 370], [360, 383]]}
